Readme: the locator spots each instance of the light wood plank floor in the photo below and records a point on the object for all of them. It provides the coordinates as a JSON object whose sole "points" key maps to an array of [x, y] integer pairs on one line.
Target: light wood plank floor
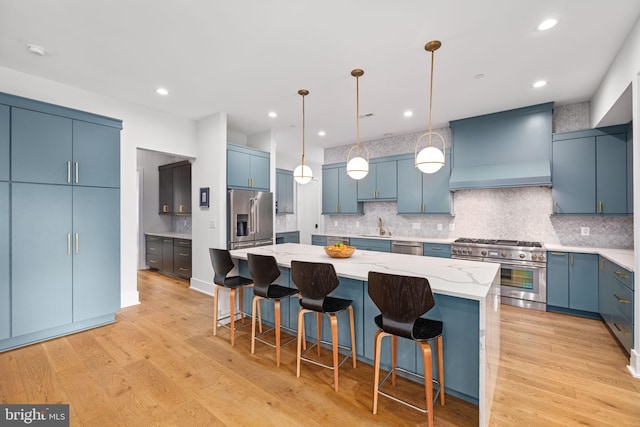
{"points": [[160, 365]]}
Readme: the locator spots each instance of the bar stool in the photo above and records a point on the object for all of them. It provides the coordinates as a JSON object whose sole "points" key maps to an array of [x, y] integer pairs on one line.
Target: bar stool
{"points": [[264, 271], [316, 281], [402, 300], [222, 265]]}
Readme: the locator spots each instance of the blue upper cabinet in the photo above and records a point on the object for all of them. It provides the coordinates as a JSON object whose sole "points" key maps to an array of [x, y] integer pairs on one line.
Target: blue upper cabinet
{"points": [[422, 193], [41, 147], [284, 191], [590, 172], [5, 292], [5, 141], [339, 191], [96, 155], [247, 168], [381, 183], [630, 169]]}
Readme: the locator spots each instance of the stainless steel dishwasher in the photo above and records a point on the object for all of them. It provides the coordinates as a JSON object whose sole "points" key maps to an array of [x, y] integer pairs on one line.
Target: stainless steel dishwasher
{"points": [[411, 248], [332, 240]]}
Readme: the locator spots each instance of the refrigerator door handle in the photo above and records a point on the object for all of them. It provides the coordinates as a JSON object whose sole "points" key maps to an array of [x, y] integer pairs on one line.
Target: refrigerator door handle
{"points": [[252, 216], [257, 216]]}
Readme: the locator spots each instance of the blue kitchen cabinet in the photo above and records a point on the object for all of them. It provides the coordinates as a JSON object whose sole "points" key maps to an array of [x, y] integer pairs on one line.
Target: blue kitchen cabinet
{"points": [[318, 240], [436, 250], [247, 168], [378, 245], [287, 237], [5, 286], [267, 307], [41, 147], [348, 289], [381, 183], [572, 281], [616, 301], [589, 170], [421, 193], [5, 142], [284, 192], [630, 169], [41, 257], [96, 228], [96, 155], [339, 192]]}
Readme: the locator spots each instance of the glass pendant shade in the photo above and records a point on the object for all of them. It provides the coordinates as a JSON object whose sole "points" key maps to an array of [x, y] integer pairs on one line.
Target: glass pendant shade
{"points": [[430, 160], [357, 168], [302, 174]]}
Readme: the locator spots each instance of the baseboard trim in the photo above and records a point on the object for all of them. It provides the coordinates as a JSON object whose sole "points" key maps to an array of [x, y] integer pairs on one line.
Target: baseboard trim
{"points": [[634, 363]]}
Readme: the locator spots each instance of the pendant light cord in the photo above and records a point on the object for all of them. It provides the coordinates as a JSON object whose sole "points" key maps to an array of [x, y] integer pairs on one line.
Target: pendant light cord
{"points": [[358, 113], [431, 96], [302, 135]]}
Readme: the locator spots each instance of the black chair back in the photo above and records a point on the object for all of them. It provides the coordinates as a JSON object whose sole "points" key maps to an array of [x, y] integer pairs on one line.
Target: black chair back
{"points": [[401, 300], [314, 280], [222, 264], [264, 271]]}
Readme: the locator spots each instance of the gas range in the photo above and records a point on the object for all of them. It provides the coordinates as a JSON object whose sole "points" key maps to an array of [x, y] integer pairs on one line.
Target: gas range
{"points": [[498, 250]]}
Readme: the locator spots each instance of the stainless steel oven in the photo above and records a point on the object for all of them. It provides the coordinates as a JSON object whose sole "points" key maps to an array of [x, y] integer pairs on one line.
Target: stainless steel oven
{"points": [[523, 270]]}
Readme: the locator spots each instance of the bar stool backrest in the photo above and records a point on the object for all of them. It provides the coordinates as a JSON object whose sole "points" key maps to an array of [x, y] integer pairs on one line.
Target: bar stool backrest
{"points": [[222, 265], [401, 300], [264, 271], [314, 280]]}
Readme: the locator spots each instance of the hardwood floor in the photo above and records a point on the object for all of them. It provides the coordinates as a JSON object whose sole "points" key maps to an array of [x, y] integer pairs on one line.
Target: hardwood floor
{"points": [[160, 365]]}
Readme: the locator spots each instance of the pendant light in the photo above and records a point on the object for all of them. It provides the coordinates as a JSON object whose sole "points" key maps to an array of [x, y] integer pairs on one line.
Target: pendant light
{"points": [[302, 173], [358, 166], [430, 159]]}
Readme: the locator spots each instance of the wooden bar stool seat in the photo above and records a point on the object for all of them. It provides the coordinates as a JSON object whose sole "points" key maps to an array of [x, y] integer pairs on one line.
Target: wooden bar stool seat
{"points": [[402, 300], [222, 265], [316, 281], [264, 271]]}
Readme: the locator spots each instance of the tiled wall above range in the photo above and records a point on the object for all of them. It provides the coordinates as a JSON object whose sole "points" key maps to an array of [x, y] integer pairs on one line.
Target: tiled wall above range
{"points": [[510, 213]]}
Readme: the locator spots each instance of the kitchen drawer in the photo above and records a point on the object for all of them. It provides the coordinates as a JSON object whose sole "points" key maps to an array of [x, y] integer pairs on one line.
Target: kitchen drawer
{"points": [[182, 268], [437, 250], [623, 275], [151, 238], [623, 299], [154, 261], [622, 328], [185, 243], [371, 244], [180, 252], [154, 247]]}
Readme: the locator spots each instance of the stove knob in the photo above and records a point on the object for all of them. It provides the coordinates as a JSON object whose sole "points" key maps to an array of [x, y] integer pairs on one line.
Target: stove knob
{"points": [[534, 257], [484, 253], [541, 257], [503, 254], [521, 256]]}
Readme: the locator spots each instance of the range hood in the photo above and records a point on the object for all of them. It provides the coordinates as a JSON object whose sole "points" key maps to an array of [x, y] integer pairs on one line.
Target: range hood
{"points": [[507, 149]]}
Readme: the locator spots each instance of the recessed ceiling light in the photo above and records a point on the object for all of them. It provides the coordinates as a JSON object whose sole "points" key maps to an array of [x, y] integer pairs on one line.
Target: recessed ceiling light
{"points": [[478, 76], [547, 24], [162, 91], [36, 50], [322, 133], [408, 113], [273, 114], [540, 83]]}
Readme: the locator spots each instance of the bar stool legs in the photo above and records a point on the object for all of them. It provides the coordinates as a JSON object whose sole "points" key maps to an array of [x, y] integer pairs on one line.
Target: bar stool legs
{"points": [[232, 310]]}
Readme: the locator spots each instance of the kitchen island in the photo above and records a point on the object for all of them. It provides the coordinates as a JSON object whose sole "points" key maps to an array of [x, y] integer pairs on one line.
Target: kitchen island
{"points": [[467, 295]]}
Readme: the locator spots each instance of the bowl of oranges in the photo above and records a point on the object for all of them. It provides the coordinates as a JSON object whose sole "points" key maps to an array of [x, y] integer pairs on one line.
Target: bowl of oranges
{"points": [[339, 250]]}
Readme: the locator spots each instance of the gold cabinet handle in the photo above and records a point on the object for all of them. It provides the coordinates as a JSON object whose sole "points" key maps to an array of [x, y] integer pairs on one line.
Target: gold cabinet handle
{"points": [[622, 300], [620, 275], [555, 207], [181, 254], [622, 331], [165, 208], [571, 259], [76, 172], [600, 206], [69, 171], [183, 243], [152, 249], [184, 269], [180, 208], [77, 248], [68, 243], [601, 264], [153, 261]]}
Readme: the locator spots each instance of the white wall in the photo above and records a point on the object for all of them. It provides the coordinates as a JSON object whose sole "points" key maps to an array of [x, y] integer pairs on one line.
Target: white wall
{"points": [[142, 128]]}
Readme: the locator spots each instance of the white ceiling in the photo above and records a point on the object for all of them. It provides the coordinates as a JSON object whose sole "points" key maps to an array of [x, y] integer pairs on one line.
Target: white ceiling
{"points": [[249, 57]]}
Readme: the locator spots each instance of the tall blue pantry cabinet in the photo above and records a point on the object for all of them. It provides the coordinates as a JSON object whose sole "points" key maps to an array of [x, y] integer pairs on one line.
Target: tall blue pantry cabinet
{"points": [[60, 229]]}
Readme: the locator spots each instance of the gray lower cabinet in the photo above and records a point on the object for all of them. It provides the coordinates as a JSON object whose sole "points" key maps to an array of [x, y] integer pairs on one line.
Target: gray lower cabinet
{"points": [[616, 299], [5, 284], [169, 255]]}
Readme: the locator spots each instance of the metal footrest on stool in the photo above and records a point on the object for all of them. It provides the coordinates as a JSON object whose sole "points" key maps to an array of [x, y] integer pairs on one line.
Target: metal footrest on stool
{"points": [[315, 362], [237, 313], [272, 328], [424, 411]]}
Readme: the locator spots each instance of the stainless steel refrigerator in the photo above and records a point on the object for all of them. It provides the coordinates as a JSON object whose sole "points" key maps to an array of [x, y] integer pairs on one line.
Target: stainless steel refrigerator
{"points": [[250, 216]]}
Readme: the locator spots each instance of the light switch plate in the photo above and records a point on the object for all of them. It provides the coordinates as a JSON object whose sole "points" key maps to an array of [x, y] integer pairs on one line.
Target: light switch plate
{"points": [[415, 225], [585, 231], [439, 227], [357, 224], [452, 227], [212, 223], [335, 223]]}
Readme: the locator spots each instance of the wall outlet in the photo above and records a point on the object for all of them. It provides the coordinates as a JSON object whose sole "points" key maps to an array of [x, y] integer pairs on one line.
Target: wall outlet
{"points": [[452, 227], [357, 224], [335, 223], [278, 221], [415, 226], [439, 227], [585, 231], [212, 223]]}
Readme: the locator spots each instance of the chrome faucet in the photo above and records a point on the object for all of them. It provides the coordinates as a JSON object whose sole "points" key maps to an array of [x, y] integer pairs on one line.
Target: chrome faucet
{"points": [[382, 231]]}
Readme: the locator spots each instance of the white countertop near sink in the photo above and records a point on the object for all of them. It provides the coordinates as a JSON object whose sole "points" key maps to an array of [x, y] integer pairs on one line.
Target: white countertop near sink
{"points": [[622, 257], [388, 237], [172, 234]]}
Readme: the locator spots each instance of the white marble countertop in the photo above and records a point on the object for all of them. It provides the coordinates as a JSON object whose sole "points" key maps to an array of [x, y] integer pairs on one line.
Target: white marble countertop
{"points": [[454, 277], [388, 237], [622, 257], [172, 234]]}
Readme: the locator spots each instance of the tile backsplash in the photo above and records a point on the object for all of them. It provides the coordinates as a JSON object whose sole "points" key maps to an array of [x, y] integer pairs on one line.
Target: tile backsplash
{"points": [[522, 213], [181, 224]]}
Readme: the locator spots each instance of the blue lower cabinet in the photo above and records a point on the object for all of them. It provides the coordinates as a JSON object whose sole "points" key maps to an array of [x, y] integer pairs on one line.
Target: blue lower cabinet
{"points": [[41, 257], [5, 142], [353, 290], [267, 307], [5, 290], [558, 279], [437, 250], [371, 244], [572, 281], [318, 240]]}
